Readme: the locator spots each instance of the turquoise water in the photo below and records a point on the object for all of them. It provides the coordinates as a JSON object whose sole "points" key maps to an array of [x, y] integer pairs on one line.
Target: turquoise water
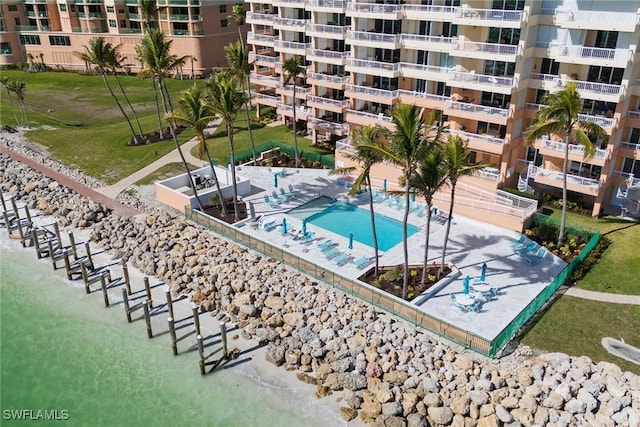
{"points": [[344, 218], [62, 350]]}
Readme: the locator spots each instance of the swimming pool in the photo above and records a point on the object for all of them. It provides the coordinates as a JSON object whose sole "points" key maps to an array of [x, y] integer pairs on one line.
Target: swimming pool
{"points": [[344, 218]]}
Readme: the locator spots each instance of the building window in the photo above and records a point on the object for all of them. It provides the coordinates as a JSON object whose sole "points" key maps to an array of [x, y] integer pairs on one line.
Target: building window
{"points": [[123, 23], [29, 39], [223, 8], [110, 9], [112, 23], [59, 41], [12, 7], [5, 48], [63, 7], [17, 20], [224, 23]]}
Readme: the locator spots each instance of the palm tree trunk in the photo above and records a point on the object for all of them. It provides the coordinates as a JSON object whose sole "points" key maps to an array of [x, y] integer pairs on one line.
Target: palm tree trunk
{"points": [[405, 245], [232, 160], [24, 114], [426, 244], [168, 97], [135, 115], [246, 109], [106, 82], [186, 167], [563, 217], [155, 93], [446, 233], [240, 36], [295, 130], [213, 171], [13, 107], [373, 226]]}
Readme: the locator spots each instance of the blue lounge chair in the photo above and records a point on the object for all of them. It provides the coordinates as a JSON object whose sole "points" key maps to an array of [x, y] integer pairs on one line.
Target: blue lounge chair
{"points": [[269, 224], [525, 249], [519, 242], [277, 198], [325, 245], [284, 194], [305, 240], [270, 202], [341, 258], [331, 252], [293, 191], [363, 262], [534, 258]]}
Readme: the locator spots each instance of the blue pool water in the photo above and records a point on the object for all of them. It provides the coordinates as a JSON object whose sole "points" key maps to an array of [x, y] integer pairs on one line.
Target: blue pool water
{"points": [[344, 218]]}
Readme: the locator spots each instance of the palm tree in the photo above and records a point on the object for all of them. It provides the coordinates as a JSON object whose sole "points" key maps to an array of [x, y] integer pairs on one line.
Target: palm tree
{"points": [[362, 138], [192, 59], [148, 12], [226, 100], [238, 15], [561, 117], [19, 88], [117, 61], [238, 59], [292, 67], [195, 113], [8, 85], [455, 160], [101, 55], [427, 180]]}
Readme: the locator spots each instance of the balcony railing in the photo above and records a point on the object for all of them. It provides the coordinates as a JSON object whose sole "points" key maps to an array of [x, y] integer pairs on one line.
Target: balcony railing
{"points": [[171, 2], [327, 78], [261, 18], [477, 136], [573, 149], [633, 114], [478, 109], [300, 110], [367, 36], [330, 4], [335, 30], [595, 53], [335, 103], [591, 16], [601, 88], [365, 90], [490, 14], [430, 39], [90, 15], [260, 39], [407, 67], [483, 79], [599, 120], [130, 30], [375, 65], [290, 23], [328, 125], [593, 184], [34, 14], [281, 44], [423, 8], [534, 106], [423, 95], [263, 97], [371, 116], [291, 3], [494, 48], [302, 91], [261, 58], [331, 54], [374, 7], [180, 17], [266, 80]]}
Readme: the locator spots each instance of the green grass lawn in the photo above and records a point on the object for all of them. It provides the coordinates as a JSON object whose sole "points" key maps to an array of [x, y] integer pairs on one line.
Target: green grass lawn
{"points": [[167, 171]]}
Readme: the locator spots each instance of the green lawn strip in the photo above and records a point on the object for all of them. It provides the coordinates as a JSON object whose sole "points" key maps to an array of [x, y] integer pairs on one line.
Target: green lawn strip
{"points": [[167, 171], [619, 268], [576, 326]]}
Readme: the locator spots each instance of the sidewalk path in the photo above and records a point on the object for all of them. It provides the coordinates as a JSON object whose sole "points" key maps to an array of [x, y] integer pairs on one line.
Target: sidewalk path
{"points": [[603, 297]]}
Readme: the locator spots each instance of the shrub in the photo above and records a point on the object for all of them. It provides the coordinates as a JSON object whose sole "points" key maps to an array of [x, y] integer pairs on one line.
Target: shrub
{"points": [[590, 260]]}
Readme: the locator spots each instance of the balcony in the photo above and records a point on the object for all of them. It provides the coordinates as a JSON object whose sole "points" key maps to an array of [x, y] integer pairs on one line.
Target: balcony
{"points": [[335, 105], [90, 15], [433, 43], [374, 10], [327, 56], [268, 81], [606, 123], [487, 51], [33, 14], [548, 82], [262, 60], [426, 72], [295, 48], [263, 99], [327, 80], [376, 68], [575, 183], [335, 6], [630, 146], [334, 32], [289, 3], [422, 12], [422, 99], [260, 39], [489, 17], [129, 30], [302, 113], [481, 82], [576, 152], [328, 126], [301, 92], [599, 91], [290, 24], [367, 93], [477, 112], [481, 142], [171, 2], [598, 20], [594, 56], [169, 17], [370, 39], [261, 18], [364, 118]]}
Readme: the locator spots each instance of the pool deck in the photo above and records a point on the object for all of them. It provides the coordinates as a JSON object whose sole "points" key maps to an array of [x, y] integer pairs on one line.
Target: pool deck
{"points": [[471, 243]]}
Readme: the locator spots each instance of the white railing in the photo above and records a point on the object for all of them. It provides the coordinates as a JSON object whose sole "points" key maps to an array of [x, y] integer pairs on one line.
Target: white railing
{"points": [[300, 110], [263, 97], [253, 57], [528, 205], [423, 95], [494, 48], [484, 79], [376, 65], [545, 77], [409, 8], [345, 144], [290, 2], [633, 114], [261, 18], [573, 149], [476, 136], [374, 7], [289, 23], [534, 106], [371, 116], [260, 39], [478, 109], [328, 125], [630, 145], [332, 4], [429, 39], [591, 16], [425, 68], [365, 90], [337, 103], [580, 181], [281, 44], [602, 121], [273, 81], [607, 89], [490, 14], [299, 90], [327, 78], [331, 54], [327, 29], [595, 53], [374, 37]]}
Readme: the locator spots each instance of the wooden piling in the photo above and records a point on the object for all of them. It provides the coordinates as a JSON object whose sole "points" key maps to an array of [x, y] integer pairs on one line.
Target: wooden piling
{"points": [[67, 264], [196, 318], [15, 208], [167, 293], [53, 259], [56, 230], [87, 250], [147, 318], [223, 336], [125, 300], [4, 205], [103, 285], [36, 241], [27, 213], [201, 353], [21, 232], [72, 244], [7, 223], [125, 274], [174, 338], [147, 288]]}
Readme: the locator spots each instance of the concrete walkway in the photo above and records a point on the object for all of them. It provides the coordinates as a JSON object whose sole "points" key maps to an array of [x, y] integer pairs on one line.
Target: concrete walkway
{"points": [[603, 297]]}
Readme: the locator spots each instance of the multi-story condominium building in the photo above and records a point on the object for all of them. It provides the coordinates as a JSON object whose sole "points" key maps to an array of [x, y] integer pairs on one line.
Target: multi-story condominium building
{"points": [[485, 64], [51, 30]]}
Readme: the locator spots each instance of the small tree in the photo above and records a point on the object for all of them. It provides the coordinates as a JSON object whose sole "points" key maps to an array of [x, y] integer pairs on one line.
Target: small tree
{"points": [[292, 68]]}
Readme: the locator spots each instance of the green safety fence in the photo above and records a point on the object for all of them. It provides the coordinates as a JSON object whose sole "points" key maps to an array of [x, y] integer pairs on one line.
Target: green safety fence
{"points": [[327, 161]]}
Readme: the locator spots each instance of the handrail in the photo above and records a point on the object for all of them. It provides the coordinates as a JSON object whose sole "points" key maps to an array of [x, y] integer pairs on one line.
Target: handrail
{"points": [[327, 29], [374, 7], [364, 63], [254, 57], [485, 138], [429, 39], [630, 145], [423, 67], [478, 109], [573, 148], [328, 124], [333, 4], [490, 14], [373, 116], [485, 79], [323, 53], [374, 37], [497, 48], [595, 52], [322, 100], [290, 22], [602, 121], [382, 93], [427, 8], [595, 87], [327, 77], [423, 95]]}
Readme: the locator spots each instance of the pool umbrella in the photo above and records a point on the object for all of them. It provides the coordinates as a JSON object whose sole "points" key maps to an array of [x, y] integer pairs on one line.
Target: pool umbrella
{"points": [[413, 196], [350, 240], [304, 227], [384, 185], [284, 226], [483, 275], [275, 180], [466, 285], [252, 209]]}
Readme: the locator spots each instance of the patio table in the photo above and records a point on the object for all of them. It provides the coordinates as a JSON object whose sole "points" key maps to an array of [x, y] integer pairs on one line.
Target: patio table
{"points": [[465, 300], [481, 287]]}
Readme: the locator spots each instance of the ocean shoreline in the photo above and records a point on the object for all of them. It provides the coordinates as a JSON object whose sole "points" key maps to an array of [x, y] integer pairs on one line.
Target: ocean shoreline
{"points": [[385, 369]]}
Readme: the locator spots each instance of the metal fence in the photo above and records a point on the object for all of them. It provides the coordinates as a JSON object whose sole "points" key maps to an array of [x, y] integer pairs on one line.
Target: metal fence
{"points": [[326, 160], [385, 301]]}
